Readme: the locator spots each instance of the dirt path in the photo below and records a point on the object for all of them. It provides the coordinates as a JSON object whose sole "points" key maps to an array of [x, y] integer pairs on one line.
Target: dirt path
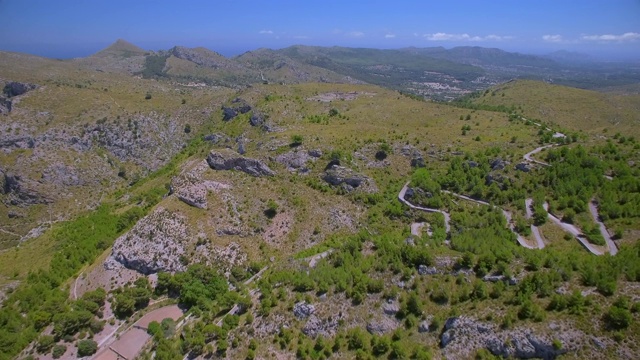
{"points": [[534, 229], [573, 230], [447, 217], [613, 249]]}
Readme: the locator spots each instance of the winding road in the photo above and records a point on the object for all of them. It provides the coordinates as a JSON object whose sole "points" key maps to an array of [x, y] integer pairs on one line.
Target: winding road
{"points": [[447, 217], [528, 157], [573, 230], [534, 229], [613, 249]]}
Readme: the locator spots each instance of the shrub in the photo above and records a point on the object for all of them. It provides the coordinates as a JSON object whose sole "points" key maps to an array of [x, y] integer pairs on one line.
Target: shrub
{"points": [[58, 351], [618, 318], [87, 347]]}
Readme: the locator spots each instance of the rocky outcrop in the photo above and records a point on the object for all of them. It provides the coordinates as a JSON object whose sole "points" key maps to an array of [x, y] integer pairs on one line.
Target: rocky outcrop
{"points": [[498, 164], [5, 105], [156, 243], [348, 179], [15, 88], [295, 160], [228, 160], [217, 138], [463, 336], [20, 191], [193, 191], [417, 162], [257, 119], [237, 106], [302, 310], [316, 326], [523, 166], [426, 270], [382, 325]]}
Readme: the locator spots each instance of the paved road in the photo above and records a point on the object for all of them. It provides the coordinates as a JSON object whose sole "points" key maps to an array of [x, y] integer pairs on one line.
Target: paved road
{"points": [[534, 229], [573, 230], [613, 249], [528, 157], [447, 217], [521, 239]]}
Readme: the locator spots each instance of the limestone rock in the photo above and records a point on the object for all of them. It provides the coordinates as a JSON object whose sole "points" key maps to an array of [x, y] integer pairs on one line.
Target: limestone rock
{"points": [[426, 270], [462, 336], [391, 307], [295, 159], [15, 88], [302, 310], [238, 106], [523, 166], [156, 243], [5, 105], [316, 326], [340, 175], [382, 325], [229, 160]]}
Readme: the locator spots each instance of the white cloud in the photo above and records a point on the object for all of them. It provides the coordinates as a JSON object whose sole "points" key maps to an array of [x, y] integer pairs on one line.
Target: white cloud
{"points": [[356, 34], [266, 32], [389, 36], [300, 37], [464, 37], [630, 36], [552, 38]]}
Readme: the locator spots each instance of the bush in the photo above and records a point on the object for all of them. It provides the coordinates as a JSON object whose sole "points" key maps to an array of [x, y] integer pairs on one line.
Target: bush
{"points": [[618, 318], [87, 347], [45, 343], [58, 351], [296, 140]]}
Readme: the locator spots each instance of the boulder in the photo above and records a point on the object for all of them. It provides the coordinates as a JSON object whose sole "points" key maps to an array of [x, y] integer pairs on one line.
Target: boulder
{"points": [[523, 166], [256, 119], [238, 106], [216, 138], [426, 270], [424, 326], [294, 159], [230, 160], [342, 176], [417, 162], [498, 164], [316, 326], [316, 153], [391, 307], [15, 88], [302, 310], [382, 325]]}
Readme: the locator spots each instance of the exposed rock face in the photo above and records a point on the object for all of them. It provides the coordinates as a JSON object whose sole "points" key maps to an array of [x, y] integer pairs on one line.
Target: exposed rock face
{"points": [[302, 310], [238, 106], [523, 167], [316, 326], [349, 179], [391, 307], [498, 164], [256, 119], [5, 105], [156, 243], [15, 88], [206, 58], [463, 336], [217, 138], [316, 153], [193, 191], [229, 160], [426, 270], [382, 325], [296, 159], [20, 191], [417, 162]]}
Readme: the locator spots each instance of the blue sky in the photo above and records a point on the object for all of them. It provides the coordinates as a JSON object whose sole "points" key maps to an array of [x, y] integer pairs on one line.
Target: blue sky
{"points": [[69, 28]]}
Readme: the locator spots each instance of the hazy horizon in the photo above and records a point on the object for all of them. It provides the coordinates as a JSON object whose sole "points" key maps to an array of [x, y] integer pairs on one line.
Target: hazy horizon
{"points": [[72, 28]]}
